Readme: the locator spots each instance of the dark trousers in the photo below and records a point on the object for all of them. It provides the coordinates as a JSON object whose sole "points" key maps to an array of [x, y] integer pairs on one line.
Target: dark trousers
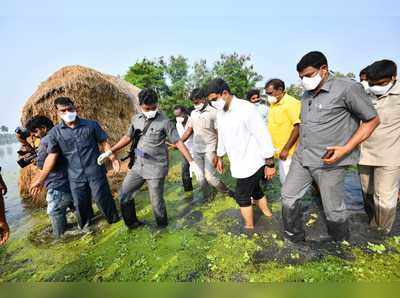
{"points": [[98, 189], [132, 183], [186, 179]]}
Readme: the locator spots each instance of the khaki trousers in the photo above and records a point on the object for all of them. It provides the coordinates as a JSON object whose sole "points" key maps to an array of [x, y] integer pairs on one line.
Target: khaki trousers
{"points": [[380, 186]]}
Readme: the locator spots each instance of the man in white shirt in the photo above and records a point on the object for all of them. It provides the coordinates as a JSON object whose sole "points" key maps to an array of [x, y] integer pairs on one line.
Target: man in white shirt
{"points": [[244, 137], [182, 120]]}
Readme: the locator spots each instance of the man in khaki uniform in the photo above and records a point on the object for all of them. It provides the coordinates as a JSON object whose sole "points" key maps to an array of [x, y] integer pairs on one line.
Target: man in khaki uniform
{"points": [[203, 126], [380, 154]]}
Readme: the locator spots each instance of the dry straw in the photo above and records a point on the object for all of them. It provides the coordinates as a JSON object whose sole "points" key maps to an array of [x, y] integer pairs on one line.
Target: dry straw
{"points": [[105, 98]]}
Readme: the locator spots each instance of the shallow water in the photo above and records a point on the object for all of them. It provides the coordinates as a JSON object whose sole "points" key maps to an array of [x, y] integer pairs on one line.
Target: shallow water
{"points": [[18, 213]]}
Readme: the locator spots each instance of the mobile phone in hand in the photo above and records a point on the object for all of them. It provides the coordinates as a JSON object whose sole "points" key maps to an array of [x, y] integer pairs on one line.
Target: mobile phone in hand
{"points": [[328, 154]]}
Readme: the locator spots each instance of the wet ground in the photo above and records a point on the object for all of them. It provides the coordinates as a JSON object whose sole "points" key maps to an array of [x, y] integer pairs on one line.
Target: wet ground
{"points": [[204, 241]]}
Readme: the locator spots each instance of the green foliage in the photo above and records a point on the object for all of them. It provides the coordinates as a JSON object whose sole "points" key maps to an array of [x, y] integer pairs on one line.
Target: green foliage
{"points": [[174, 78], [177, 73], [238, 72], [338, 74], [147, 73], [295, 91]]}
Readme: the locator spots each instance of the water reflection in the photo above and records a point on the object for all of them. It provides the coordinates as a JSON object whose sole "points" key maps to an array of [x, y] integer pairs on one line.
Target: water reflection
{"points": [[18, 213]]}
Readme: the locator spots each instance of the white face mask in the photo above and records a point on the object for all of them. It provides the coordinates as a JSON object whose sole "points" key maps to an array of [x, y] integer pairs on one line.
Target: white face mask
{"points": [[311, 83], [365, 85], [219, 104], [150, 114], [199, 106], [179, 119], [68, 116], [272, 99], [381, 90]]}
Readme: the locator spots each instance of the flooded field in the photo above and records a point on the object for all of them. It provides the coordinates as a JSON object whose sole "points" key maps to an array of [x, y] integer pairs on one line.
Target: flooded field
{"points": [[204, 242]]}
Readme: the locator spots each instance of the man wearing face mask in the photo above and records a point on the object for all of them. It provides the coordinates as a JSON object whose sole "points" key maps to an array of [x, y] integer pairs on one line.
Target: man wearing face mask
{"points": [[203, 127], [182, 120], [151, 159], [244, 137], [78, 140], [254, 97], [380, 163], [330, 132], [364, 79], [283, 124], [58, 192]]}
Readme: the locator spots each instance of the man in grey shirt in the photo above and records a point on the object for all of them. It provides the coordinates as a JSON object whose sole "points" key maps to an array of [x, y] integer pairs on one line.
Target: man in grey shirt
{"points": [[330, 132], [151, 159]]}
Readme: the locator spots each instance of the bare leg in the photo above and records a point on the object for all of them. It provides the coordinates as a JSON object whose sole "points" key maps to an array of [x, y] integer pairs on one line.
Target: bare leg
{"points": [[262, 204], [247, 213]]}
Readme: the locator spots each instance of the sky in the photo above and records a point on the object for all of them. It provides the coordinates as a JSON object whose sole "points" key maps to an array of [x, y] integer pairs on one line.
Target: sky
{"points": [[39, 37]]}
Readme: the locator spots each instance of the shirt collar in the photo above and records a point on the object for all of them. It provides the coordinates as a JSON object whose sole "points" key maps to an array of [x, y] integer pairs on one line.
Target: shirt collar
{"points": [[283, 99], [326, 86], [233, 103], [395, 90]]}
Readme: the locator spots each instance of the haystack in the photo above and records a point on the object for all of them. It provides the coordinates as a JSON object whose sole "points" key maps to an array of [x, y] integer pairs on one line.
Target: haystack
{"points": [[105, 98]]}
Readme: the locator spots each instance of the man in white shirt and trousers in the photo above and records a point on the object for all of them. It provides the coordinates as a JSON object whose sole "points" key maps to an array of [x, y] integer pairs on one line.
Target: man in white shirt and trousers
{"points": [[244, 137]]}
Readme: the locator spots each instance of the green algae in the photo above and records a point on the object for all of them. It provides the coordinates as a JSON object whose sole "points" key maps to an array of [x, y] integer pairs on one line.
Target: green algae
{"points": [[203, 242]]}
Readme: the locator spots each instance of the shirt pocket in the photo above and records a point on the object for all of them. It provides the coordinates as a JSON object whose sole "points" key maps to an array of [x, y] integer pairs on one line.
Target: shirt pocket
{"points": [[154, 136], [85, 138], [278, 118], [322, 113], [206, 122]]}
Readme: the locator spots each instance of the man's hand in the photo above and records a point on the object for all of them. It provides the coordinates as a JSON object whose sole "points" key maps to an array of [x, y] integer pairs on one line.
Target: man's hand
{"points": [[284, 154], [197, 171], [269, 173], [3, 187], [220, 165], [116, 165], [36, 186], [338, 154], [4, 232], [102, 157]]}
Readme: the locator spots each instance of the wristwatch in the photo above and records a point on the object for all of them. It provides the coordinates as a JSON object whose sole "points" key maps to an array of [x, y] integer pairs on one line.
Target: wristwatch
{"points": [[270, 163]]}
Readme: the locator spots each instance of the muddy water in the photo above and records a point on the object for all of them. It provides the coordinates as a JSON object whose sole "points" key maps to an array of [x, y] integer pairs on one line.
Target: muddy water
{"points": [[19, 214]]}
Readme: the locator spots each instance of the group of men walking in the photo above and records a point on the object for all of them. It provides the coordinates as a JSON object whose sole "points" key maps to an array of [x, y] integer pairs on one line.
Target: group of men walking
{"points": [[313, 140]]}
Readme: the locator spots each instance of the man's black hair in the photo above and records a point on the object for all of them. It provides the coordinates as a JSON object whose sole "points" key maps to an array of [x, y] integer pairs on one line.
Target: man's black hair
{"points": [[315, 59], [217, 86], [63, 101], [252, 92], [276, 84], [182, 108], [197, 93], [364, 71], [381, 69], [148, 97], [39, 122]]}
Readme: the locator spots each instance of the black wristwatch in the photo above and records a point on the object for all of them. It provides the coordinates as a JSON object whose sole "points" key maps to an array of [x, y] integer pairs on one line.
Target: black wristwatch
{"points": [[270, 163]]}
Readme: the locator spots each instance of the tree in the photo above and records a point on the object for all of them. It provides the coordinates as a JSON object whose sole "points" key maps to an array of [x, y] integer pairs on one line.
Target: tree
{"points": [[4, 128], [295, 90], [148, 73], [238, 72], [201, 74], [338, 74], [177, 73]]}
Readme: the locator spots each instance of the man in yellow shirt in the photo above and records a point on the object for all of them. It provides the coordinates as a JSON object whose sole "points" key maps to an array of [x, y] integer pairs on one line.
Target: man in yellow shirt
{"points": [[283, 123]]}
